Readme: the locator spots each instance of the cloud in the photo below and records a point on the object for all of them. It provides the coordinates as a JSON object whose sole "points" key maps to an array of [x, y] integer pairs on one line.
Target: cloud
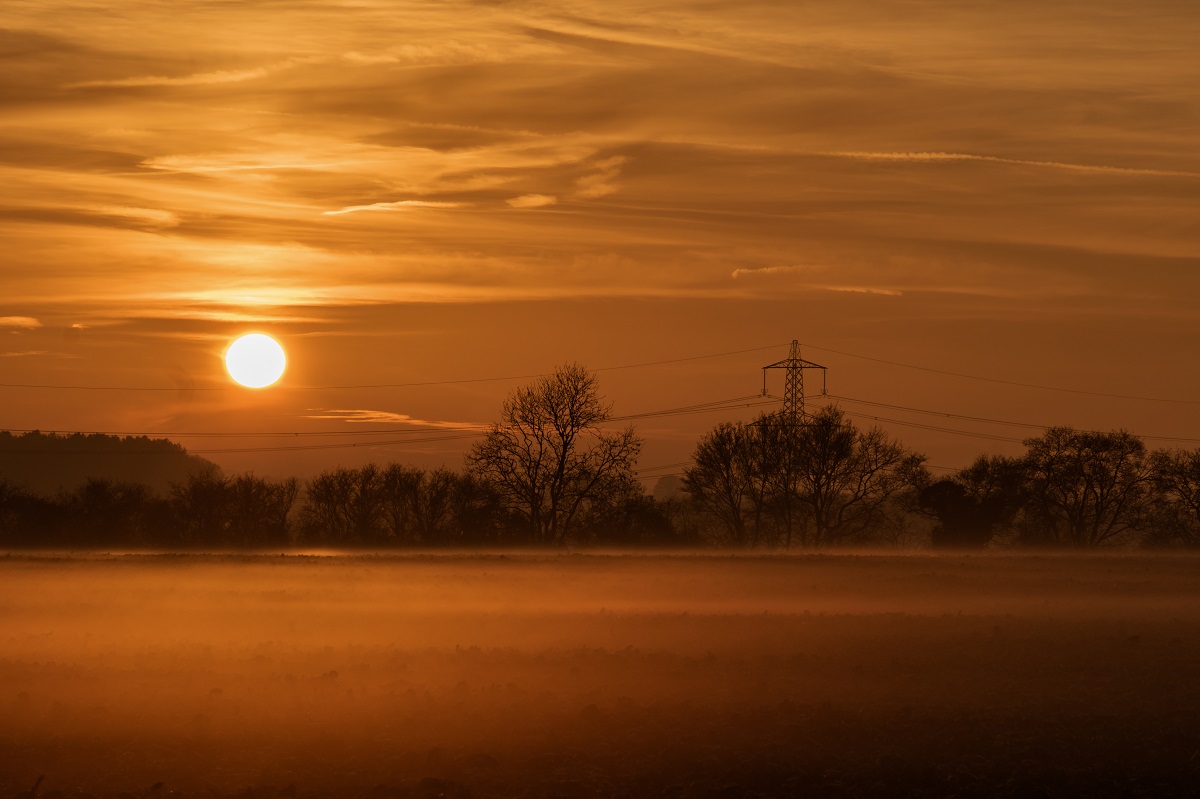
{"points": [[363, 415], [22, 354], [215, 77], [601, 182], [150, 216], [197, 79], [930, 158], [26, 322], [863, 290], [758, 271], [399, 205], [532, 200]]}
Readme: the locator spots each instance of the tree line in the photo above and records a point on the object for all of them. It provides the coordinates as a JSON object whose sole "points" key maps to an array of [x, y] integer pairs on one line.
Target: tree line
{"points": [[822, 481], [548, 474]]}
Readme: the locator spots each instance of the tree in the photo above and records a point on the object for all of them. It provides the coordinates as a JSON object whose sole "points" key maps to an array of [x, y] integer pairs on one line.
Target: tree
{"points": [[478, 512], [30, 520], [258, 510], [847, 479], [1176, 480], [548, 459], [975, 503], [109, 512], [719, 479], [345, 507], [1085, 488], [201, 504], [418, 504], [816, 482]]}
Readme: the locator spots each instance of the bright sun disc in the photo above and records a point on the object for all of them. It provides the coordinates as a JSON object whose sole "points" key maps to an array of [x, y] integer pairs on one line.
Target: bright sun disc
{"points": [[255, 360]]}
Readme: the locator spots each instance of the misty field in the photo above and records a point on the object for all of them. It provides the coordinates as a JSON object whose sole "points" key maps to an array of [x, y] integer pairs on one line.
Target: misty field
{"points": [[600, 675]]}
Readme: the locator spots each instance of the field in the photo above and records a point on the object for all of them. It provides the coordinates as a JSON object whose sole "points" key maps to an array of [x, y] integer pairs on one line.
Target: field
{"points": [[573, 675]]}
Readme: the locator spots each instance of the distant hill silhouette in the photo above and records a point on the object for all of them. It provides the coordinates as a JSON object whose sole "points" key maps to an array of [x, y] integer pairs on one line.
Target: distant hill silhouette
{"points": [[47, 463]]}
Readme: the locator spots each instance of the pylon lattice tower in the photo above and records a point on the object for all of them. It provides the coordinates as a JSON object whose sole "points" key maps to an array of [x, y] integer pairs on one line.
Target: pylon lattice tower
{"points": [[793, 388]]}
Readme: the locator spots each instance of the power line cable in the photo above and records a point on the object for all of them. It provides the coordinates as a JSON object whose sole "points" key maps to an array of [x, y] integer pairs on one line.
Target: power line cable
{"points": [[935, 428], [1006, 382], [986, 420]]}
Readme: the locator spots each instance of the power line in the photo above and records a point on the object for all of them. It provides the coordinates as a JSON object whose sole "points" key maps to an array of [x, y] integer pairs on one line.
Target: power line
{"points": [[390, 385], [986, 420], [935, 428], [1007, 382]]}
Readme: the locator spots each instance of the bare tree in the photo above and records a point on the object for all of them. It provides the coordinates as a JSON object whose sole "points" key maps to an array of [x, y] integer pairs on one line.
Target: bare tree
{"points": [[345, 506], [201, 503], [259, 508], [847, 479], [818, 481], [1085, 488], [972, 506], [719, 480], [1176, 480], [418, 504], [548, 458]]}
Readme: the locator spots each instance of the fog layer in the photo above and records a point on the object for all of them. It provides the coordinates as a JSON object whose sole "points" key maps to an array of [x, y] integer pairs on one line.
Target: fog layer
{"points": [[610, 673]]}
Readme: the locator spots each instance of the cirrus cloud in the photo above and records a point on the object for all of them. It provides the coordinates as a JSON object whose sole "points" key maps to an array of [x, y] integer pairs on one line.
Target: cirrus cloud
{"points": [[25, 322], [532, 201]]}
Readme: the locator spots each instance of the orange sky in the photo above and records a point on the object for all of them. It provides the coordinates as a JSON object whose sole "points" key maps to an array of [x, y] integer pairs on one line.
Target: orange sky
{"points": [[405, 192]]}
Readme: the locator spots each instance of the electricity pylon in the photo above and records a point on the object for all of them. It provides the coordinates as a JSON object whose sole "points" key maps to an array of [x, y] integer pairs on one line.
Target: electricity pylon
{"points": [[793, 390]]}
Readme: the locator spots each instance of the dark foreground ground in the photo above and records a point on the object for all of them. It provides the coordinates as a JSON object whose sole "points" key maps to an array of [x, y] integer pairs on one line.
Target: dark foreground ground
{"points": [[580, 676]]}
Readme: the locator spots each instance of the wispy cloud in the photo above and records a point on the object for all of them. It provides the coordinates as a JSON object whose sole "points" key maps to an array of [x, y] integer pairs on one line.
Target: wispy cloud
{"points": [[602, 181], [863, 290], [25, 322], [399, 205], [24, 354], [197, 79], [532, 201], [762, 271], [934, 157], [369, 416], [150, 216], [213, 77]]}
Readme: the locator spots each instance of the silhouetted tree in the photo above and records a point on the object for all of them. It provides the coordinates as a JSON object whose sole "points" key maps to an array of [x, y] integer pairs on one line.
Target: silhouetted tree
{"points": [[975, 503], [624, 515], [1085, 489], [479, 513], [30, 520], [548, 459], [258, 510], [108, 512], [418, 505], [815, 481], [848, 480], [201, 504], [720, 480], [1175, 477], [346, 507]]}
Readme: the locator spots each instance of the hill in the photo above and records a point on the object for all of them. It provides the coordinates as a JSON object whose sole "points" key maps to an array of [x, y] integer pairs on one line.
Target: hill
{"points": [[47, 463]]}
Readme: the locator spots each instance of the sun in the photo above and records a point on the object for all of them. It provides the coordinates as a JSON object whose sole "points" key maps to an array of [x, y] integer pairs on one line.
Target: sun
{"points": [[255, 360]]}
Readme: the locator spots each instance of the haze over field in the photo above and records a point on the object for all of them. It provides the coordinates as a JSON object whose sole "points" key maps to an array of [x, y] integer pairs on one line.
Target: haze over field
{"points": [[599, 675], [410, 191]]}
